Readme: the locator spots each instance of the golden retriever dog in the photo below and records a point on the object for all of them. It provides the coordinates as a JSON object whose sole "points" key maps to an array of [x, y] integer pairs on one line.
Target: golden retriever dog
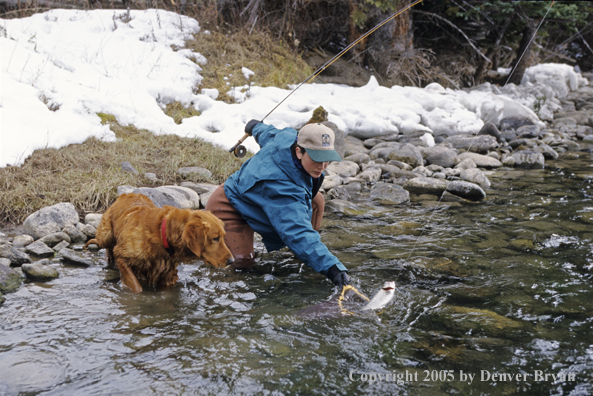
{"points": [[147, 242]]}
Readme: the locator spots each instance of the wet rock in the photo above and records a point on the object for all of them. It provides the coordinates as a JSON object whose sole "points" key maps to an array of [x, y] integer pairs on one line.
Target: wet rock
{"points": [[50, 219], [547, 151], [340, 192], [569, 145], [466, 190], [440, 155], [22, 240], [332, 181], [343, 207], [514, 123], [53, 239], [359, 158], [39, 272], [10, 280], [526, 160], [344, 168], [127, 167], [477, 144], [426, 185], [93, 219], [353, 187], [466, 163], [69, 256], [400, 165], [75, 235], [482, 161], [196, 171], [39, 249], [60, 246], [389, 194], [406, 153], [529, 132], [370, 174], [490, 128], [16, 257], [475, 176]]}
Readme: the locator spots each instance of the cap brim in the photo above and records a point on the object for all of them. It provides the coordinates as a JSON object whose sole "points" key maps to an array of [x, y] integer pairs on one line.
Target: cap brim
{"points": [[324, 155]]}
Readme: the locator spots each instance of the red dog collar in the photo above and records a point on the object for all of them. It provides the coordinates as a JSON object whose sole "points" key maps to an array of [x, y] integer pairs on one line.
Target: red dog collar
{"points": [[164, 236]]}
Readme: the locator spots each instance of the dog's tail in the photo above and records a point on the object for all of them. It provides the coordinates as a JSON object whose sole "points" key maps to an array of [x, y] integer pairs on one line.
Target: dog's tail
{"points": [[96, 242]]}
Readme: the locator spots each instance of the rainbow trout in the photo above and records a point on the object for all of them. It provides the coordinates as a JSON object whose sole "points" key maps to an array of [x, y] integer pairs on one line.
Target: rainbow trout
{"points": [[382, 297]]}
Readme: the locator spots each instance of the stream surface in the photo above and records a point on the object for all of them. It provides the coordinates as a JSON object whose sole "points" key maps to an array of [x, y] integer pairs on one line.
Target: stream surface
{"points": [[493, 298]]}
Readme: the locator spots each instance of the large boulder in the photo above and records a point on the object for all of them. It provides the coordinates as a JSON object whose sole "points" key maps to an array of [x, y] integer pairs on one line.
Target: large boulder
{"points": [[159, 198], [50, 219], [389, 194]]}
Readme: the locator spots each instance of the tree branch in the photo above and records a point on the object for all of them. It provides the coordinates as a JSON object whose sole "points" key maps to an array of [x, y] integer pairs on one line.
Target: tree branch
{"points": [[456, 28]]}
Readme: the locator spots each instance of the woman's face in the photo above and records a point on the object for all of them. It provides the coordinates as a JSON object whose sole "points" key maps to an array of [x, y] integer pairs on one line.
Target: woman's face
{"points": [[311, 167]]}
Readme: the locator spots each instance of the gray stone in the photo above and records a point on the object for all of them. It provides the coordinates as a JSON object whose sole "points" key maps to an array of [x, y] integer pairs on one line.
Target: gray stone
{"points": [[426, 185], [406, 153], [127, 167], [5, 262], [16, 257], [344, 207], [76, 236], [53, 239], [353, 145], [121, 190], [200, 188], [353, 187], [359, 158], [39, 272], [466, 163], [588, 139], [529, 131], [339, 192], [466, 190], [39, 249], [87, 230], [482, 161], [389, 194], [22, 240], [93, 219], [528, 159], [371, 174], [332, 181], [475, 176], [514, 123], [344, 168], [490, 129], [151, 176], [194, 171], [547, 151], [440, 155], [186, 198], [50, 219], [159, 198], [10, 280], [70, 257], [477, 144], [60, 246], [3, 238]]}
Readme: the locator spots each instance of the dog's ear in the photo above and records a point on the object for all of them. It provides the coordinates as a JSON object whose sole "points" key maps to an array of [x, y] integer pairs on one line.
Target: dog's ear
{"points": [[195, 235]]}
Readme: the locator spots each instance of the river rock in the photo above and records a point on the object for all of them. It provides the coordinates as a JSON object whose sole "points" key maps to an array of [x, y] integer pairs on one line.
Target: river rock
{"points": [[478, 322], [10, 280], [60, 246], [529, 132], [93, 219], [475, 176], [477, 144], [186, 198], [490, 128], [332, 181], [87, 230], [16, 257], [407, 153], [344, 207], [525, 159], [22, 240], [371, 174], [344, 168], [159, 198], [588, 139], [75, 235], [466, 190], [39, 249], [69, 256], [514, 123], [50, 219], [339, 192], [353, 145], [389, 194], [359, 158], [426, 185], [194, 171], [481, 161], [547, 151], [52, 240], [39, 272], [127, 167], [466, 163], [5, 262], [439, 155]]}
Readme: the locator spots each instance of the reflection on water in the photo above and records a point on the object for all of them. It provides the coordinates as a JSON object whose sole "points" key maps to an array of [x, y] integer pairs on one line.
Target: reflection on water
{"points": [[493, 298]]}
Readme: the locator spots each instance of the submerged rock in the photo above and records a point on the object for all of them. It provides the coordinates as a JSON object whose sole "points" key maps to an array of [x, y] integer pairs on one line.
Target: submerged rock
{"points": [[71, 257], [10, 280]]}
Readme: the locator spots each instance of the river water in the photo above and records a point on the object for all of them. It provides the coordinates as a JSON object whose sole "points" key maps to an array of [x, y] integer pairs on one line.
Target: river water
{"points": [[493, 298]]}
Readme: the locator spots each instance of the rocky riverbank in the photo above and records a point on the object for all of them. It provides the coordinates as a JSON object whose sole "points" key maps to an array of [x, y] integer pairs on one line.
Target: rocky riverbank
{"points": [[388, 170]]}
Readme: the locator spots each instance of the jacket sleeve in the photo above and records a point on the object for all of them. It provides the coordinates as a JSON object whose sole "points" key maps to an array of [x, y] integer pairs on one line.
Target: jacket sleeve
{"points": [[290, 216], [264, 134]]}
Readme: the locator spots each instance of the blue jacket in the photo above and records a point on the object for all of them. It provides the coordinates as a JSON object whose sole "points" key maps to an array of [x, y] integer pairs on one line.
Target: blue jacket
{"points": [[274, 197]]}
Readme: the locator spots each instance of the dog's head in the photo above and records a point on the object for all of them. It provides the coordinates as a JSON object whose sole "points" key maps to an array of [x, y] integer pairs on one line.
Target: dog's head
{"points": [[204, 236]]}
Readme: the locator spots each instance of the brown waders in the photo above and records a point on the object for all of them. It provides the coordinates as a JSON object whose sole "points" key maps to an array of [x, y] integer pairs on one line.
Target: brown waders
{"points": [[239, 235]]}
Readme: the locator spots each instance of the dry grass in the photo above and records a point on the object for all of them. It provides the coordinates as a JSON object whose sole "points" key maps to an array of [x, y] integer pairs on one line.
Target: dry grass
{"points": [[88, 174]]}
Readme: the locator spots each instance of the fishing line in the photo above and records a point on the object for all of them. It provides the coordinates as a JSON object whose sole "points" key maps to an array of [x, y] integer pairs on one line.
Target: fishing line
{"points": [[474, 138]]}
